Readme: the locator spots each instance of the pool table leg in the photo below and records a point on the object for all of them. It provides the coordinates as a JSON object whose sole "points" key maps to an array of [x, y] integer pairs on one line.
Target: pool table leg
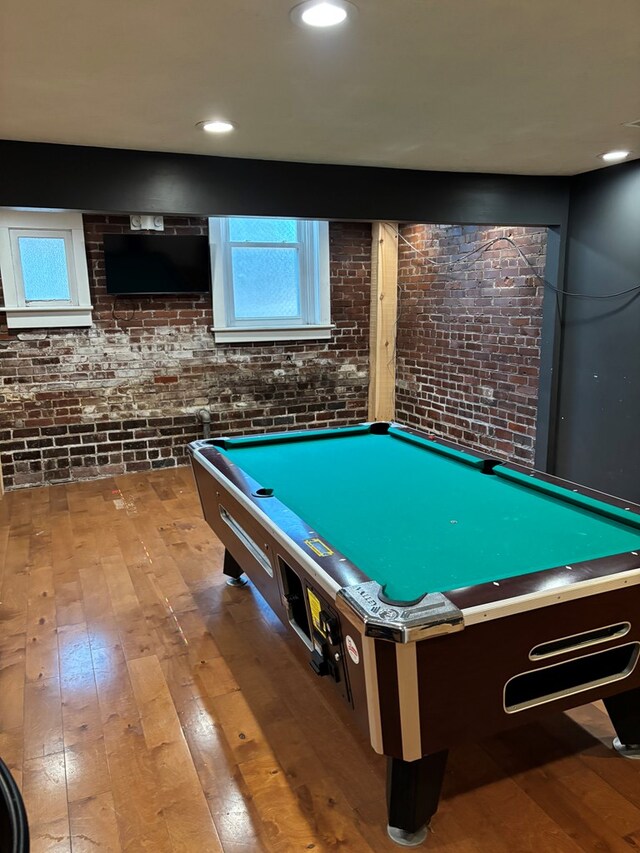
{"points": [[624, 711], [232, 570], [413, 791]]}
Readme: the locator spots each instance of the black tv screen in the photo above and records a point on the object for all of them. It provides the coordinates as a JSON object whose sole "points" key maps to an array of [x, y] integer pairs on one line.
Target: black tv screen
{"points": [[148, 265]]}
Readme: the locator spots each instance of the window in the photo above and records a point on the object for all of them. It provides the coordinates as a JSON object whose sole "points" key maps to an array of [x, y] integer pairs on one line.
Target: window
{"points": [[270, 279], [44, 270]]}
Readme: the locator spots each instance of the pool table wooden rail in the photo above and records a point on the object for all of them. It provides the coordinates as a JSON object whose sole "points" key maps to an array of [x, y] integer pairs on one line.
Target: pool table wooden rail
{"points": [[232, 489], [417, 699], [334, 571], [401, 720]]}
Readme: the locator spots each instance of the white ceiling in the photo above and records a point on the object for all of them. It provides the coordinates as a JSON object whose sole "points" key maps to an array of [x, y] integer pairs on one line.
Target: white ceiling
{"points": [[464, 85]]}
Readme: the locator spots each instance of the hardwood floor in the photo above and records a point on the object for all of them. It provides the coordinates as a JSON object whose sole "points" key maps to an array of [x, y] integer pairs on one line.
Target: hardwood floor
{"points": [[147, 706]]}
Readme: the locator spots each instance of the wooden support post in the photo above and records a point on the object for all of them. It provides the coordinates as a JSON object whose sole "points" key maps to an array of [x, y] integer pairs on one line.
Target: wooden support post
{"points": [[384, 315]]}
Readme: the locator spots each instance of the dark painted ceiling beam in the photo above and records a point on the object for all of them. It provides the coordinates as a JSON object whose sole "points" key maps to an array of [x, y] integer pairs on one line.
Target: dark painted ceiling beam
{"points": [[115, 180]]}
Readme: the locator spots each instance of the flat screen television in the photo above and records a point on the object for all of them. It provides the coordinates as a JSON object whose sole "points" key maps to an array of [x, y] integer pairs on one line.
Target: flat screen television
{"points": [[154, 265]]}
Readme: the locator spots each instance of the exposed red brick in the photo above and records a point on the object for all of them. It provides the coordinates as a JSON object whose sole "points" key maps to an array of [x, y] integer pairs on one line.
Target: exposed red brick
{"points": [[468, 347], [137, 379]]}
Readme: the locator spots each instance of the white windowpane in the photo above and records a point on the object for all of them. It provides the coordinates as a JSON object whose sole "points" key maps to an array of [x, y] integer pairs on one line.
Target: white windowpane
{"points": [[44, 269], [265, 282], [263, 231]]}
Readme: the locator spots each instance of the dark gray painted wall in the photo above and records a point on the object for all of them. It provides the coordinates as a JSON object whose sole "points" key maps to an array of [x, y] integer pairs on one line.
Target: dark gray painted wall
{"points": [[598, 427]]}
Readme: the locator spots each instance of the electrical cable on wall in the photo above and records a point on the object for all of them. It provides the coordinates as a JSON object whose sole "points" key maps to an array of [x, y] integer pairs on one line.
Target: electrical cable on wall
{"points": [[485, 246], [479, 250], [117, 319]]}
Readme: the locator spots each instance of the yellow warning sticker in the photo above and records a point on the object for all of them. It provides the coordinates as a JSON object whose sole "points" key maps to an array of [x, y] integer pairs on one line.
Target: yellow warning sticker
{"points": [[315, 607], [318, 547]]}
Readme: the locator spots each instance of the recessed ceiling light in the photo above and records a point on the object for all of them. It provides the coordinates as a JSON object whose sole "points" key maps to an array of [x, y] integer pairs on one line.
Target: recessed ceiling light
{"points": [[322, 13], [216, 126], [614, 156]]}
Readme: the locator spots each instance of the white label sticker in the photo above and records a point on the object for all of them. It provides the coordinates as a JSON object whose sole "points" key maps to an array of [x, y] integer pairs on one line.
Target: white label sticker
{"points": [[352, 649]]}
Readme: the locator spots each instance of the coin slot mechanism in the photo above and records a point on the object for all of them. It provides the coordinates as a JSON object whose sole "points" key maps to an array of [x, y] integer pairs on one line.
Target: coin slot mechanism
{"points": [[294, 602]]}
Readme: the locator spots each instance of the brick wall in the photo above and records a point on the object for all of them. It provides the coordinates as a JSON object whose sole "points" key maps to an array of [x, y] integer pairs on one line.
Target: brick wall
{"points": [[468, 344], [124, 395]]}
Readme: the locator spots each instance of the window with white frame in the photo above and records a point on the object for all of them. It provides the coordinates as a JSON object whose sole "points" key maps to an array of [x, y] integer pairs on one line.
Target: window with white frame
{"points": [[43, 267], [270, 279]]}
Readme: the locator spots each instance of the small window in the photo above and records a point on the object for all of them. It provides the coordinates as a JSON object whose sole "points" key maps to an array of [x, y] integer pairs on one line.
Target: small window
{"points": [[44, 270], [270, 279]]}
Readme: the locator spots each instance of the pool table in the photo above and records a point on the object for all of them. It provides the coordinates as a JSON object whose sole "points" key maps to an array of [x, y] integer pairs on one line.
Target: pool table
{"points": [[443, 594]]}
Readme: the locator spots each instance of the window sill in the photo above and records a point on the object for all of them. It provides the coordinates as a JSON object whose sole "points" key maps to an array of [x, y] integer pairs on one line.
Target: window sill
{"points": [[237, 335], [49, 317]]}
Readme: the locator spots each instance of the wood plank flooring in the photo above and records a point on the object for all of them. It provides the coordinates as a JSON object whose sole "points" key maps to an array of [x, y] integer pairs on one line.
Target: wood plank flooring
{"points": [[147, 706]]}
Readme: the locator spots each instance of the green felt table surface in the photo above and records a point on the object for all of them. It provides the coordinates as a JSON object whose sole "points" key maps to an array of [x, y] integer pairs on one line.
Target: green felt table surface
{"points": [[417, 518]]}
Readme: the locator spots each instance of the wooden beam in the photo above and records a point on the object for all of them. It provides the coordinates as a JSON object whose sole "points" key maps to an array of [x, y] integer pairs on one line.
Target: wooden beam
{"points": [[384, 315]]}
